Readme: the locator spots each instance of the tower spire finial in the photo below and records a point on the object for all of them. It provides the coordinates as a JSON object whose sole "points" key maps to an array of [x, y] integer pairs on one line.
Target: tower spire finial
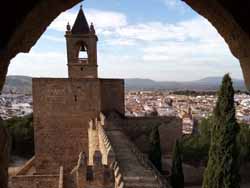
{"points": [[81, 25], [81, 4], [68, 27]]}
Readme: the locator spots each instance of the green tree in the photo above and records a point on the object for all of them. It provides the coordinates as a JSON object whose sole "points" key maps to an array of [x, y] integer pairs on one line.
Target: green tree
{"points": [[222, 168], [155, 148], [22, 135], [177, 177], [244, 143], [205, 128]]}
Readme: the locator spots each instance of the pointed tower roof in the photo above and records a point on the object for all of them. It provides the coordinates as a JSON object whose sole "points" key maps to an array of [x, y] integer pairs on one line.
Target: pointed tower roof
{"points": [[81, 25]]}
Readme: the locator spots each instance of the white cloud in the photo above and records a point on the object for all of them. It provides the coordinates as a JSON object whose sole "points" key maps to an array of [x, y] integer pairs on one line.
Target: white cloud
{"points": [[176, 5], [194, 39], [114, 26], [39, 64], [101, 19], [120, 42], [172, 3], [186, 50], [53, 38], [156, 50], [59, 24], [195, 29], [106, 19]]}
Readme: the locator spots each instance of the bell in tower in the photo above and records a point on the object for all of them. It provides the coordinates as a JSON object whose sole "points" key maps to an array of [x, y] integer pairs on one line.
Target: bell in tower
{"points": [[81, 48]]}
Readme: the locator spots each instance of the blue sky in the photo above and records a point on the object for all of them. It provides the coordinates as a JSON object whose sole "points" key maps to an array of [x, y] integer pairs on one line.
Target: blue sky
{"points": [[156, 39]]}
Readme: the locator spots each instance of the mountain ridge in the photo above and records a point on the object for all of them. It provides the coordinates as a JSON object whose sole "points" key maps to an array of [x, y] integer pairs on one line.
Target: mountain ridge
{"points": [[207, 83], [23, 84]]}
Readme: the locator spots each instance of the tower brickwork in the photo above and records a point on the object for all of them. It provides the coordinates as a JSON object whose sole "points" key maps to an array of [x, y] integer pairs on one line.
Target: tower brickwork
{"points": [[62, 110], [81, 39], [63, 106]]}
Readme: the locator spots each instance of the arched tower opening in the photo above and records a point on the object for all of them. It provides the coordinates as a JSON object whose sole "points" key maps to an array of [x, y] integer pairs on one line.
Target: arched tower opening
{"points": [[81, 48], [83, 52]]}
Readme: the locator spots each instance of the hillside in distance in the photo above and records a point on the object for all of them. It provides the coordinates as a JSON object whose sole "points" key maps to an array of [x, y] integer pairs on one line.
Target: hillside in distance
{"points": [[18, 84], [23, 84], [205, 84]]}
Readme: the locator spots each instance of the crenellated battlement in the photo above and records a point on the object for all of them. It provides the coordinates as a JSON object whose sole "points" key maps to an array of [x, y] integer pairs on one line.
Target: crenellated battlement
{"points": [[115, 149]]}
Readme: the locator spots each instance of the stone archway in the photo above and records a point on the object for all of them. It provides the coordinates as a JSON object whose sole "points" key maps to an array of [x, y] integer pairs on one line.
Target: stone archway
{"points": [[22, 25], [23, 22], [229, 18]]}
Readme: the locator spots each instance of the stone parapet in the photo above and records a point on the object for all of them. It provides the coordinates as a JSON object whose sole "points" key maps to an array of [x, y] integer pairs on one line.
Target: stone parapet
{"points": [[25, 179], [27, 166], [34, 181], [122, 151], [149, 165], [60, 184], [110, 155]]}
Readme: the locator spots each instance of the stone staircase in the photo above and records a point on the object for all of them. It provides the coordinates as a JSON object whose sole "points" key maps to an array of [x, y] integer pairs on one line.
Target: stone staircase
{"points": [[135, 167]]}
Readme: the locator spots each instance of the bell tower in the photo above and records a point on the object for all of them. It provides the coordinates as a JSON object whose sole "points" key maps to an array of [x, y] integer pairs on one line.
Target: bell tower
{"points": [[81, 48]]}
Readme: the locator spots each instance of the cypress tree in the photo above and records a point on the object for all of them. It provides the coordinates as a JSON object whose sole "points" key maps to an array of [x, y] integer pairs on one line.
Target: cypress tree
{"points": [[177, 177], [222, 168], [155, 148]]}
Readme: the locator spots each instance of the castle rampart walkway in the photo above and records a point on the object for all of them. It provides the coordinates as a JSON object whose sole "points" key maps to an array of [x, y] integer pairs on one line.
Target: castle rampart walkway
{"points": [[135, 168]]}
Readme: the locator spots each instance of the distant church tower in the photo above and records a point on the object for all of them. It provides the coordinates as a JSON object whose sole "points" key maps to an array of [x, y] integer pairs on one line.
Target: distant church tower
{"points": [[81, 48]]}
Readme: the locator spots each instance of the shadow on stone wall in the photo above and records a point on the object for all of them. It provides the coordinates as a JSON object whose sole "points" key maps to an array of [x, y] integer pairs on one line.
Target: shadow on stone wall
{"points": [[4, 155]]}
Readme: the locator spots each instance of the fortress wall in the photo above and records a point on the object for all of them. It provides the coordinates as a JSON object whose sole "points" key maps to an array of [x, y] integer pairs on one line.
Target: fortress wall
{"points": [[62, 110], [112, 95], [50, 181], [93, 141], [81, 71], [27, 166], [139, 129]]}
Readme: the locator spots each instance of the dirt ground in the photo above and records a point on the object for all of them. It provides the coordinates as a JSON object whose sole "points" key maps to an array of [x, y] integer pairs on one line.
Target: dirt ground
{"points": [[16, 164]]}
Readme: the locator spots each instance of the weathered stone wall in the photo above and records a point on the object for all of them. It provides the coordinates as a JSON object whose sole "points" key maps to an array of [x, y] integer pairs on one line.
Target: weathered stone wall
{"points": [[112, 95], [4, 155], [82, 71], [27, 166], [93, 141], [62, 110], [114, 177], [26, 177], [76, 67], [139, 129], [50, 181], [79, 173]]}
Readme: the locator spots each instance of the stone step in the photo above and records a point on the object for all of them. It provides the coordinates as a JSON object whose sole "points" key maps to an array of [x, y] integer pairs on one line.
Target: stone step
{"points": [[148, 179], [141, 184], [135, 174]]}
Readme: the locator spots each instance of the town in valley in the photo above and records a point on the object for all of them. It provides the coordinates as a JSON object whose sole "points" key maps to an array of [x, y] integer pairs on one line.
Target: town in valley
{"points": [[191, 108]]}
